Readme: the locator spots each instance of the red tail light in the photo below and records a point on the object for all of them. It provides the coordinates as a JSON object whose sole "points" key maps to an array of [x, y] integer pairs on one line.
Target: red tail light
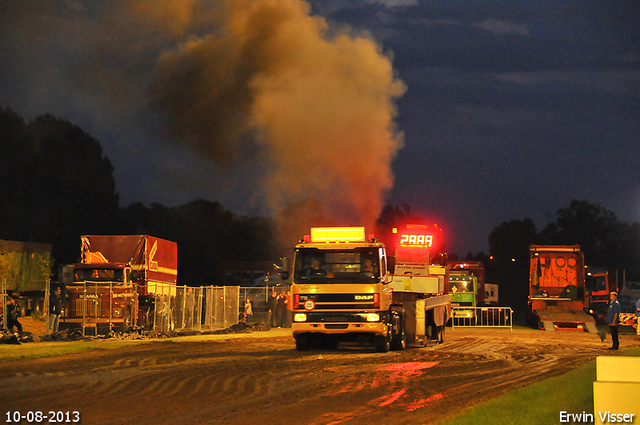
{"points": [[376, 300], [296, 301]]}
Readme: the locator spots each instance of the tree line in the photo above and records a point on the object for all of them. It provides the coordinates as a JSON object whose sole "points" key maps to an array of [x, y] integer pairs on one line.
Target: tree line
{"points": [[56, 184]]}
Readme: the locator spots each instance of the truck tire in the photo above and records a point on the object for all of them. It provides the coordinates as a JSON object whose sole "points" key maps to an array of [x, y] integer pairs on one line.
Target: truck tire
{"points": [[302, 343], [399, 342], [383, 342]]}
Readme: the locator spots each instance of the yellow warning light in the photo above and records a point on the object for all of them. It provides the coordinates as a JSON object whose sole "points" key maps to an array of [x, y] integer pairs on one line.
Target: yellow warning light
{"points": [[337, 234]]}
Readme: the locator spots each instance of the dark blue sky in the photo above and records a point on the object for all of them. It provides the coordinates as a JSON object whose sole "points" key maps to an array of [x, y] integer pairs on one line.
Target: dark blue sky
{"points": [[511, 110]]}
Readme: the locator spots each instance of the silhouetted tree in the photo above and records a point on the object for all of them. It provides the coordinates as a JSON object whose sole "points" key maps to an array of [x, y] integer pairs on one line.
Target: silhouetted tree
{"points": [[509, 265], [605, 241], [207, 236], [56, 183]]}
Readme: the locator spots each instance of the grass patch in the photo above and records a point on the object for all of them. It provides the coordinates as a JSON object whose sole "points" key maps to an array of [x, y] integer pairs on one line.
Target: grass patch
{"points": [[32, 350], [46, 349], [540, 403]]}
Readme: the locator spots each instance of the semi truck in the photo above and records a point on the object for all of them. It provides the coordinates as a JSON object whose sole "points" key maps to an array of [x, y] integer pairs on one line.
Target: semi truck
{"points": [[118, 281], [597, 288], [345, 288], [25, 268], [466, 287], [557, 289]]}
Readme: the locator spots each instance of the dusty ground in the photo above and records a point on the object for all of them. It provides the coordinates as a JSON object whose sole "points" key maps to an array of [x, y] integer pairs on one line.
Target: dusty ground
{"points": [[261, 378]]}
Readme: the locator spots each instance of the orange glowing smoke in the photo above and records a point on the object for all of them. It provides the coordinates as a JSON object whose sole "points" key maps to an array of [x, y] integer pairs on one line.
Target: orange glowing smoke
{"points": [[318, 103], [259, 84]]}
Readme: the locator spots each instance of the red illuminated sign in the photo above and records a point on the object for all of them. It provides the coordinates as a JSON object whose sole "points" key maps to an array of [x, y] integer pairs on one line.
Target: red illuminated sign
{"points": [[421, 241]]}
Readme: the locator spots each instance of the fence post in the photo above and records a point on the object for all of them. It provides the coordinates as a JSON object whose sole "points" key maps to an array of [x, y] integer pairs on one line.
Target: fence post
{"points": [[4, 303]]}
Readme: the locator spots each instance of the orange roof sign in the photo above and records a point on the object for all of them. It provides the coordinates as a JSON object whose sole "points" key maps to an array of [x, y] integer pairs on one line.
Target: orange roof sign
{"points": [[337, 234]]}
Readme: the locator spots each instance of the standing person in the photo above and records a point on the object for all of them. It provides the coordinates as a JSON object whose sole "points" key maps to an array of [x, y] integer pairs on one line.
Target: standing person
{"points": [[281, 309], [190, 302], [248, 309], [13, 312], [613, 315], [55, 308], [271, 309], [164, 312], [288, 313], [638, 317]]}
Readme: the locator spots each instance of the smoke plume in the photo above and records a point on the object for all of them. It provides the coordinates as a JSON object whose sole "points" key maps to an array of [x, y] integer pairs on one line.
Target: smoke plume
{"points": [[319, 103], [259, 82]]}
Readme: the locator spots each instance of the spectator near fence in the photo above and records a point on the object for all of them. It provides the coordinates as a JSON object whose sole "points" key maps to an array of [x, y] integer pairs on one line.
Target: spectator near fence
{"points": [[288, 313], [13, 312], [55, 308], [248, 309], [281, 308], [271, 308], [164, 313]]}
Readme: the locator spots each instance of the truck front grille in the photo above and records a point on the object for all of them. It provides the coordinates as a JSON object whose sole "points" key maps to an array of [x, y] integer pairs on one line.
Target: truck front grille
{"points": [[339, 301], [93, 307], [336, 326]]}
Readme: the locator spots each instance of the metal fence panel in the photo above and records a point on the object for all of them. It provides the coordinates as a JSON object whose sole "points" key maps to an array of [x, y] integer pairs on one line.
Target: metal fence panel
{"points": [[164, 307], [482, 317], [231, 303], [188, 304]]}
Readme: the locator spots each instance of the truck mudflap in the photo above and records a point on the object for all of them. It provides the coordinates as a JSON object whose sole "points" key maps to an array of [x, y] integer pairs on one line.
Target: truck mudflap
{"points": [[556, 318]]}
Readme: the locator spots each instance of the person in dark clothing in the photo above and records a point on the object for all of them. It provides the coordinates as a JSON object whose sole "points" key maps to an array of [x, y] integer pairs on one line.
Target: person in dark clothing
{"points": [[271, 309], [613, 317], [55, 308], [281, 309], [13, 312], [288, 314], [316, 269]]}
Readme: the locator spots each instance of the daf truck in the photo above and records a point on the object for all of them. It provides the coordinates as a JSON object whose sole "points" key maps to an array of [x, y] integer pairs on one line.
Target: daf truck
{"points": [[344, 288]]}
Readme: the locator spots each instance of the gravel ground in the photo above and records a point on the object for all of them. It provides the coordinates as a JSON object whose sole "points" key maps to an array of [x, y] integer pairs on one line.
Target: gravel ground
{"points": [[259, 377]]}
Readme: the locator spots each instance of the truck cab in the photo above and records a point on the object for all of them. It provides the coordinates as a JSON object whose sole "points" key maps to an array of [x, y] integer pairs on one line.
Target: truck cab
{"points": [[101, 295], [596, 283], [462, 290], [342, 290], [339, 289]]}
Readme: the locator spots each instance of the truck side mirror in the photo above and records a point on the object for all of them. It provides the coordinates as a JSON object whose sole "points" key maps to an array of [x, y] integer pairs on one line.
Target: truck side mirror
{"points": [[284, 274]]}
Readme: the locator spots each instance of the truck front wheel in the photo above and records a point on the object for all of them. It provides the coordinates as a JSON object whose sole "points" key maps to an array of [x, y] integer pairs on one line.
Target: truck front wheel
{"points": [[383, 342], [400, 337]]}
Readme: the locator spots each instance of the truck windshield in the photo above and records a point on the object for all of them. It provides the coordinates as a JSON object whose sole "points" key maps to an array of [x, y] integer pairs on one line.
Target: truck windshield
{"points": [[99, 275], [360, 265], [460, 284], [596, 283]]}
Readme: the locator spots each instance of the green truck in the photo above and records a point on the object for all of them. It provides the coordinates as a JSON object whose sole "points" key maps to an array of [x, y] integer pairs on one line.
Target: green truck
{"points": [[25, 268]]}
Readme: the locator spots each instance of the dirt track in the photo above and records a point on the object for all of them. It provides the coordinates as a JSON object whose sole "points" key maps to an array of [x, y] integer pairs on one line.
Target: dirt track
{"points": [[261, 378]]}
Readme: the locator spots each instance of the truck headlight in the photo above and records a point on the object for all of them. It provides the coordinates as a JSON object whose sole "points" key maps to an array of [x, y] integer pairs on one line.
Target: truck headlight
{"points": [[300, 317], [373, 317]]}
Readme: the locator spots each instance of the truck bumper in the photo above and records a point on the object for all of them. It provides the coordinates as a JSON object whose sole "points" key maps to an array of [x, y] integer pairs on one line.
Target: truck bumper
{"points": [[339, 328]]}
